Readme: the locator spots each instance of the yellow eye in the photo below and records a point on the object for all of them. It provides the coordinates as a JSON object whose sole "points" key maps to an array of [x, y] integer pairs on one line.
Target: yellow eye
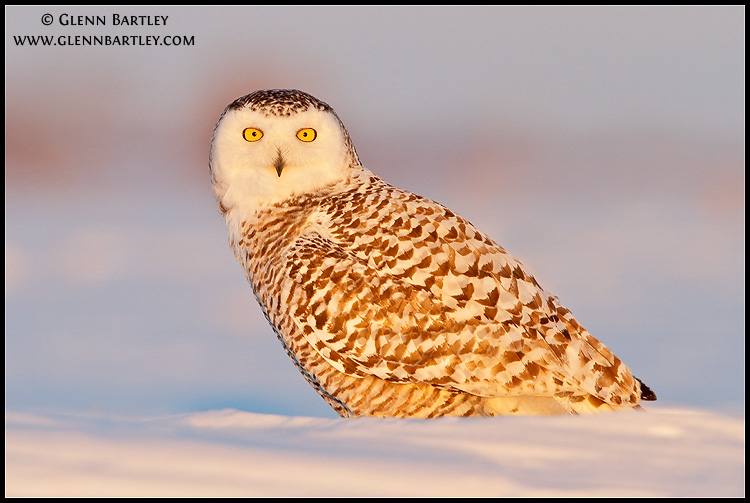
{"points": [[252, 134], [307, 134]]}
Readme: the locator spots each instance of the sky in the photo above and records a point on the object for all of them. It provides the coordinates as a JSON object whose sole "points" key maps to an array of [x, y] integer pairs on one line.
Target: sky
{"points": [[602, 146]]}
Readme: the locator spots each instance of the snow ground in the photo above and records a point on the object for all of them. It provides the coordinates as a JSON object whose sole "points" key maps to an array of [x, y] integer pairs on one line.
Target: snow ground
{"points": [[661, 452]]}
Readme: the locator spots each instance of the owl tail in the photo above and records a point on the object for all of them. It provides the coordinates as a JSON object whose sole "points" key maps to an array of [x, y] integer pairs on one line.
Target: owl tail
{"points": [[646, 393]]}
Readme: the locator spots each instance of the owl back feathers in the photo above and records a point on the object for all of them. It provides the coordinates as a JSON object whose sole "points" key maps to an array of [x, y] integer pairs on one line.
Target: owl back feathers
{"points": [[382, 283]]}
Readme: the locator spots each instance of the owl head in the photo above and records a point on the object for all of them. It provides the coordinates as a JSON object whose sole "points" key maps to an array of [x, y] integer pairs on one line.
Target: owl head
{"points": [[274, 144]]}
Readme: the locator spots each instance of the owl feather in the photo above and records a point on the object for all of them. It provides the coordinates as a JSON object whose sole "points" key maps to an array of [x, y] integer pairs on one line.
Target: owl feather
{"points": [[389, 303]]}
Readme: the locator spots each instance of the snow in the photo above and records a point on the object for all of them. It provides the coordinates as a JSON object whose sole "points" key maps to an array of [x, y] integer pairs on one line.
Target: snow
{"points": [[660, 452]]}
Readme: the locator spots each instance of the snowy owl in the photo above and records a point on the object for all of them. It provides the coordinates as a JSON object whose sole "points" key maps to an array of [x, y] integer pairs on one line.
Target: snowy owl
{"points": [[388, 303]]}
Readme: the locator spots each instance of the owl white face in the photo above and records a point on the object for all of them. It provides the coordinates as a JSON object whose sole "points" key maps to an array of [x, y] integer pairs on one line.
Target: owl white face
{"points": [[259, 158]]}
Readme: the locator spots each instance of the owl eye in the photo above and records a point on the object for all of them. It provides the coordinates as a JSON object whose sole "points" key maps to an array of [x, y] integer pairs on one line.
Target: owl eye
{"points": [[307, 134], [252, 134]]}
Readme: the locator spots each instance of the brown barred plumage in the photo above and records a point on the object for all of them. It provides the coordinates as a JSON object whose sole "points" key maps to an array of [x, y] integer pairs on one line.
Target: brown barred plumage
{"points": [[388, 303]]}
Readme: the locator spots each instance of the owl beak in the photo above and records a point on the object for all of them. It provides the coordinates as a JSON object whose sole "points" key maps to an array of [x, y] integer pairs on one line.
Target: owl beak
{"points": [[279, 162]]}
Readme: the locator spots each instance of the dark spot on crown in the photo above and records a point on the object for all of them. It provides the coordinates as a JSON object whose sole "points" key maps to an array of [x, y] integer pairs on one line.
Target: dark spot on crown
{"points": [[279, 102]]}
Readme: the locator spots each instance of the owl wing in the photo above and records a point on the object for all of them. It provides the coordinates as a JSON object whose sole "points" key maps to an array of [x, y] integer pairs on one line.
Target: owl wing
{"points": [[468, 318]]}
